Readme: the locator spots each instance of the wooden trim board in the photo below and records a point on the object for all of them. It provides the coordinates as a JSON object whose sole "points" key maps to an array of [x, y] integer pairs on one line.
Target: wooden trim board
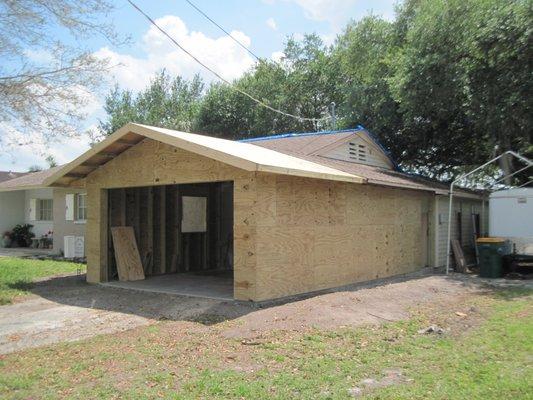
{"points": [[129, 265]]}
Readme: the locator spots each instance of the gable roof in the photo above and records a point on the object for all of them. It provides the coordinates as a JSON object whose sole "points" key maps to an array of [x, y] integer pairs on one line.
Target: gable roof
{"points": [[8, 175], [30, 180], [306, 145], [287, 154], [238, 154], [310, 142]]}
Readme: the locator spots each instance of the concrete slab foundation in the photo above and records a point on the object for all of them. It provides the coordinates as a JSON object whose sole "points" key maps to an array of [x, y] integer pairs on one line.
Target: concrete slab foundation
{"points": [[184, 284]]}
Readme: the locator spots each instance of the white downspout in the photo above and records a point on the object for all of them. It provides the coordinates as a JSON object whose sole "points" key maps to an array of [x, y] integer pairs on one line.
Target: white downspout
{"points": [[448, 242]]}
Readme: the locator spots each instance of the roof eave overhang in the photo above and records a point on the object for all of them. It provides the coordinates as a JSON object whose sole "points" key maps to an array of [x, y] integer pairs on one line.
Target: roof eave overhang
{"points": [[22, 188], [306, 174], [196, 148]]}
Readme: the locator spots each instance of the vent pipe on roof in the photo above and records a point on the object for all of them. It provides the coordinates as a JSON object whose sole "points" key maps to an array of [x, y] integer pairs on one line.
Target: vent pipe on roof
{"points": [[333, 115]]}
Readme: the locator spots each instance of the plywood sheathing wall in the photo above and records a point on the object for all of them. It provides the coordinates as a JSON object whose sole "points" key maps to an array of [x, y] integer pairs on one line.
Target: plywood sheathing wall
{"points": [[315, 234], [291, 234], [151, 163]]}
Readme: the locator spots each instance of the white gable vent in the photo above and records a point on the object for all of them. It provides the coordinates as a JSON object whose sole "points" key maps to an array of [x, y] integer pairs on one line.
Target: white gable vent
{"points": [[358, 152], [358, 149]]}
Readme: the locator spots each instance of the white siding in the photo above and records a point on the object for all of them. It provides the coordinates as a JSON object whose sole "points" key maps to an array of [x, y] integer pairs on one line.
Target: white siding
{"points": [[466, 207], [512, 213], [62, 226], [39, 227], [11, 209]]}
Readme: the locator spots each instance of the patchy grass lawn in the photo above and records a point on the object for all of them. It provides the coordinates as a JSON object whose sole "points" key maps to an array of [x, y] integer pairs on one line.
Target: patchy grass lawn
{"points": [[17, 274], [486, 352]]}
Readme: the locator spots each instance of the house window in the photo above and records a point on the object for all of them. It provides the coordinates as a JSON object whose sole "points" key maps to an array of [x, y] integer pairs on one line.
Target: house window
{"points": [[44, 209], [81, 207]]}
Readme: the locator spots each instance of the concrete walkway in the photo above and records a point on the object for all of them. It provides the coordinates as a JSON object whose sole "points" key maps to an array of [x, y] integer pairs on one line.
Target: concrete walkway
{"points": [[24, 252], [67, 309]]}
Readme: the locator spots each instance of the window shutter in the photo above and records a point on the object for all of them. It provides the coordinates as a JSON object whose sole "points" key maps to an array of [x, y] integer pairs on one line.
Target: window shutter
{"points": [[69, 207], [33, 209]]}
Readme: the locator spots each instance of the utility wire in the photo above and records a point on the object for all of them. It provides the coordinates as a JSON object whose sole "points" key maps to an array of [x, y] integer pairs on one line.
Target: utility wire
{"points": [[225, 31], [261, 103]]}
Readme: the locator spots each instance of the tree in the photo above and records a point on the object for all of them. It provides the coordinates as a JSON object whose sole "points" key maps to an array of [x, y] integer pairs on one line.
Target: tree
{"points": [[35, 168], [462, 80], [167, 102], [45, 76], [446, 85], [51, 161], [302, 84], [363, 52]]}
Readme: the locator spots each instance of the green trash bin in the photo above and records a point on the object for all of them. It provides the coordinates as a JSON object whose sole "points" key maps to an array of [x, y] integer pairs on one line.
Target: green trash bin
{"points": [[491, 251]]}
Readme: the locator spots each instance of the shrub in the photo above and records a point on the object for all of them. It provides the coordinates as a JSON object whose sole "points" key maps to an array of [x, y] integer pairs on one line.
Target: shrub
{"points": [[22, 234]]}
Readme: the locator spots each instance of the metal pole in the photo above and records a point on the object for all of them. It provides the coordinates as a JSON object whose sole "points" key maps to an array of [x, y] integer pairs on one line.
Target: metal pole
{"points": [[448, 243], [527, 183], [524, 159], [512, 174], [482, 222]]}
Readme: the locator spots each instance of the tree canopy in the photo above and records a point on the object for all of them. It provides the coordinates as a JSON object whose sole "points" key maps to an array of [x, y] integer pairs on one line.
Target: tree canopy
{"points": [[445, 85], [46, 76]]}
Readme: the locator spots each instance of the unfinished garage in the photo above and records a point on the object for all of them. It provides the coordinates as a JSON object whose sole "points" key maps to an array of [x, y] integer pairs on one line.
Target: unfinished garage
{"points": [[271, 218], [184, 236]]}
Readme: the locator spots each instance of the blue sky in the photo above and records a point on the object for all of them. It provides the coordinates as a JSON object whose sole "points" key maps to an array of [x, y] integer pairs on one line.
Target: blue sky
{"points": [[263, 25]]}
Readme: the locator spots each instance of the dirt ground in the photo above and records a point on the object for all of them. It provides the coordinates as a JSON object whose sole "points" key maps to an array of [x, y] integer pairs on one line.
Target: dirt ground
{"points": [[68, 309]]}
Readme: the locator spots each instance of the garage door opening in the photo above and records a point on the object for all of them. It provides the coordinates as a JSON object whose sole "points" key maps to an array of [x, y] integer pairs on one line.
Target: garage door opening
{"points": [[184, 234]]}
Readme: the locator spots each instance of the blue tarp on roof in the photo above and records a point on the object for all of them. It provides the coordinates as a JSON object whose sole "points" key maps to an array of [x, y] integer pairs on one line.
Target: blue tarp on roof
{"points": [[300, 134]]}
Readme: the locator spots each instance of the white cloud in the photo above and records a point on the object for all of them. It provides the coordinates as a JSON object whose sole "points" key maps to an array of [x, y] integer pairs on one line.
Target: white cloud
{"points": [[31, 148], [298, 36], [271, 23], [21, 147], [277, 56], [323, 10], [40, 56], [221, 54], [338, 12]]}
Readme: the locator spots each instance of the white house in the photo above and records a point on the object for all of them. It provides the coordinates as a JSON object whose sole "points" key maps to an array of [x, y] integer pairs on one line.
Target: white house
{"points": [[24, 199]]}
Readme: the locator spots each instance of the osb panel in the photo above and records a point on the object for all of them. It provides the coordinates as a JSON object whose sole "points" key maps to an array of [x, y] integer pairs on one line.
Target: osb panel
{"points": [[154, 163], [96, 234], [315, 234]]}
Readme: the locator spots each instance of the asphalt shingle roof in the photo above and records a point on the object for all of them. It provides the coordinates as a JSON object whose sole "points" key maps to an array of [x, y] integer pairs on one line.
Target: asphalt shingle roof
{"points": [[27, 180]]}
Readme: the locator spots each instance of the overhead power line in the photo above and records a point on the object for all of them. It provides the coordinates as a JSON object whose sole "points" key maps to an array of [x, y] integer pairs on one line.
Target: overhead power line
{"points": [[225, 31], [261, 103]]}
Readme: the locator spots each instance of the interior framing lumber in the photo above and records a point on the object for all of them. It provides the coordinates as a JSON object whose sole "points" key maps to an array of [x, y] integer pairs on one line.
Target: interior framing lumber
{"points": [[154, 213]]}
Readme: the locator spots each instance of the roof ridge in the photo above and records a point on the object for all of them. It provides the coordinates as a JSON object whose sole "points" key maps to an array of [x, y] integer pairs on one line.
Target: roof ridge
{"points": [[300, 134]]}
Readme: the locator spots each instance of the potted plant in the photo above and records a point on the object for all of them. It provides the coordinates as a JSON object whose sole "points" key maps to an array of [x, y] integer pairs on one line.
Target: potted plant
{"points": [[6, 239], [21, 235]]}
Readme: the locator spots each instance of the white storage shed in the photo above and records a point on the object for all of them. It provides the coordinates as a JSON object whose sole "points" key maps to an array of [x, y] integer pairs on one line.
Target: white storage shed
{"points": [[511, 216]]}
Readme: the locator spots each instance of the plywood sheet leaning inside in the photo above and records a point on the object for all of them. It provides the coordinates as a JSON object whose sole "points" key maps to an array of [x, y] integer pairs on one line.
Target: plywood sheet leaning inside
{"points": [[129, 264]]}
